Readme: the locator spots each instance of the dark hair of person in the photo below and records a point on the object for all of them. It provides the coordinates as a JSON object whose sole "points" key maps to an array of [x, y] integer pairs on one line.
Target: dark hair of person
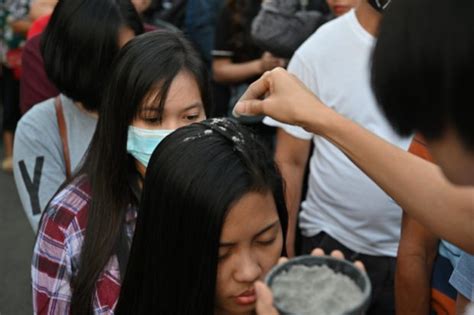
{"points": [[422, 71], [194, 177], [80, 42], [148, 63]]}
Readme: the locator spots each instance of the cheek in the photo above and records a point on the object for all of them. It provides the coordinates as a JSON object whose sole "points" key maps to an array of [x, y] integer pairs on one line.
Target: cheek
{"points": [[223, 277], [140, 123], [270, 256], [223, 284], [354, 3]]}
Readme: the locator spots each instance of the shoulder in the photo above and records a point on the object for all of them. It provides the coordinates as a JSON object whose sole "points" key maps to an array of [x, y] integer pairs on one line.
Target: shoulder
{"points": [[71, 110], [40, 114], [322, 40], [70, 206], [38, 125]]}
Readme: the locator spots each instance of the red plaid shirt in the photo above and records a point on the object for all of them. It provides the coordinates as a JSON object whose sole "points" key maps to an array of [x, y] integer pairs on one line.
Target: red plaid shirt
{"points": [[57, 251]]}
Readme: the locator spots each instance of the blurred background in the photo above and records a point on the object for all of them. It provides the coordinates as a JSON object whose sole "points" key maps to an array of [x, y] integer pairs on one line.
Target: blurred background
{"points": [[16, 247]]}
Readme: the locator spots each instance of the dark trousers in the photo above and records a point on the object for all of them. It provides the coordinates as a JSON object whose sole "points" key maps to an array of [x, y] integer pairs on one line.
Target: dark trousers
{"points": [[380, 269]]}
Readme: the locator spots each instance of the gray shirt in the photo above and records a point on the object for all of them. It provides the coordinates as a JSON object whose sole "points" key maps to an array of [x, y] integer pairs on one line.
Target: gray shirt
{"points": [[38, 162]]}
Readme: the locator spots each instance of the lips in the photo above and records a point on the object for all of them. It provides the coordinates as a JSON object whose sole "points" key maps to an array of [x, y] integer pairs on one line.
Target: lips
{"points": [[246, 298], [340, 9]]}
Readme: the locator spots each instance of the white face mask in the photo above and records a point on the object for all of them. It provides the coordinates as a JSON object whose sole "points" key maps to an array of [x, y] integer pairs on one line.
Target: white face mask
{"points": [[142, 142]]}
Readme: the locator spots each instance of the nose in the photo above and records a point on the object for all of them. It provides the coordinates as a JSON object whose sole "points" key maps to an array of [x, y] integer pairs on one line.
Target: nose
{"points": [[248, 269]]}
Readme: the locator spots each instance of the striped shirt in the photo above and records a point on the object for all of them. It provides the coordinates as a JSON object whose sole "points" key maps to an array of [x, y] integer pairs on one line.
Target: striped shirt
{"points": [[57, 251]]}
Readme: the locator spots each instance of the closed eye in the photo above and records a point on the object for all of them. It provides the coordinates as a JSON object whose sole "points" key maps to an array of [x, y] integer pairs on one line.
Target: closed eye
{"points": [[267, 242]]}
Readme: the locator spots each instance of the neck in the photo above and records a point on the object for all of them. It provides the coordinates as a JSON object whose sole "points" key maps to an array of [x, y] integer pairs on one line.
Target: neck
{"points": [[369, 18], [141, 169]]}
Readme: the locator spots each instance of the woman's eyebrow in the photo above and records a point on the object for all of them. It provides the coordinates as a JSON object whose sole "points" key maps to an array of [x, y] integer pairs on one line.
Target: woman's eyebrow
{"points": [[262, 231], [155, 108], [193, 105]]}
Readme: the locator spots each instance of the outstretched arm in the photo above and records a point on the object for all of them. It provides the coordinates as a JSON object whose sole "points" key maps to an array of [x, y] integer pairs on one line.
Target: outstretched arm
{"points": [[418, 186]]}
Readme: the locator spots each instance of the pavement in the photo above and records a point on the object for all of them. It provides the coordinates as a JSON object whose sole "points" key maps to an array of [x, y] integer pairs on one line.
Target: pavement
{"points": [[16, 248]]}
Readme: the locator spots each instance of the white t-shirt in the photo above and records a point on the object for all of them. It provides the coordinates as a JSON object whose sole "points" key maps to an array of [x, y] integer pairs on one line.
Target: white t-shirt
{"points": [[341, 200]]}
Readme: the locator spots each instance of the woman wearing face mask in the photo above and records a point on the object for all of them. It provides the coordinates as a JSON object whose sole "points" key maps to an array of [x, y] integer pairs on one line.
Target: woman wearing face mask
{"points": [[78, 48], [212, 219], [158, 83]]}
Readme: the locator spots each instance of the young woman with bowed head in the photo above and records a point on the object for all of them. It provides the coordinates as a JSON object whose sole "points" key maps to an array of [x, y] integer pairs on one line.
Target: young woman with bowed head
{"points": [[157, 84], [212, 221]]}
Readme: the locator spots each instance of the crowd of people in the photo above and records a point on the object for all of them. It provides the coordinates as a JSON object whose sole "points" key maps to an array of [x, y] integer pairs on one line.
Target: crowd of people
{"points": [[169, 153]]}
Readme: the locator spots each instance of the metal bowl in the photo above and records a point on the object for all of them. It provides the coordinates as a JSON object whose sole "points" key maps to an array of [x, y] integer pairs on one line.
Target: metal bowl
{"points": [[347, 268]]}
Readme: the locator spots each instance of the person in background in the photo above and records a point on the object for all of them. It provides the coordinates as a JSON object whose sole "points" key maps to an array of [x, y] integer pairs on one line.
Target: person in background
{"points": [[420, 90], [200, 26], [282, 26], [156, 85], [343, 208], [424, 263], [20, 15], [54, 135], [16, 23], [35, 85], [462, 280], [402, 175], [40, 12], [237, 61]]}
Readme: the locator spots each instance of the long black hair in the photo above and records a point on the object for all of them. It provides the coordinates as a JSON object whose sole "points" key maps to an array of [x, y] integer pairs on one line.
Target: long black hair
{"points": [[148, 62], [80, 43], [194, 177]]}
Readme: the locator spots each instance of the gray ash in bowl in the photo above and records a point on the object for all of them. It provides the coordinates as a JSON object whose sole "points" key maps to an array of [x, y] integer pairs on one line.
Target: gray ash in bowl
{"points": [[316, 290]]}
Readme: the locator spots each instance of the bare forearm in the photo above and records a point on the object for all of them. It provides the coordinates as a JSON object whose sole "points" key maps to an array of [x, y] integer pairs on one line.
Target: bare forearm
{"points": [[416, 254], [412, 286], [293, 176], [417, 186], [237, 72]]}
